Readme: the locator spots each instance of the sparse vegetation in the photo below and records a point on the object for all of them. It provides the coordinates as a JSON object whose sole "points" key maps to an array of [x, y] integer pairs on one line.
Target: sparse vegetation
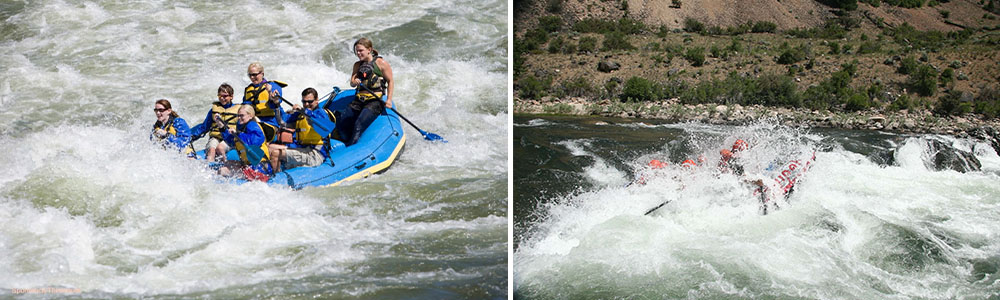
{"points": [[773, 70]]}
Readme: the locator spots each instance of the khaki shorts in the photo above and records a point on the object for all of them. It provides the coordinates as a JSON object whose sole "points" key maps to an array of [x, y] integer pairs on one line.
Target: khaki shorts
{"points": [[298, 157], [212, 143]]}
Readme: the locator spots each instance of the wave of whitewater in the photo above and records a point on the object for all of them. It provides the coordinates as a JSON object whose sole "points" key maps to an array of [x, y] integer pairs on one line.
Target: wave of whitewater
{"points": [[88, 203], [853, 228]]}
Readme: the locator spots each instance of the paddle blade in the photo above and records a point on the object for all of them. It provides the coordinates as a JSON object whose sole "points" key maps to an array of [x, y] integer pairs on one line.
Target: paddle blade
{"points": [[432, 137]]}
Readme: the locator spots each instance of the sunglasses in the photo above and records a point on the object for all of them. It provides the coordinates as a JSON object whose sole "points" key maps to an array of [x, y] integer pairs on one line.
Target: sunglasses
{"points": [[224, 96], [308, 101], [159, 109], [254, 74]]}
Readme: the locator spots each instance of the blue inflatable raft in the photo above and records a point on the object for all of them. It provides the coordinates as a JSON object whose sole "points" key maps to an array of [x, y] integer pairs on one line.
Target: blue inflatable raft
{"points": [[376, 150]]}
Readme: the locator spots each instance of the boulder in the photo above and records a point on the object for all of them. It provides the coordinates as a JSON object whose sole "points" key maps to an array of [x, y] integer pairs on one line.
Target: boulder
{"points": [[607, 67], [946, 157]]}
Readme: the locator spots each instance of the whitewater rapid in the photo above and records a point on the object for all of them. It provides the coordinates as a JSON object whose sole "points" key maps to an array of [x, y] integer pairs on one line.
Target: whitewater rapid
{"points": [[88, 203], [853, 228]]}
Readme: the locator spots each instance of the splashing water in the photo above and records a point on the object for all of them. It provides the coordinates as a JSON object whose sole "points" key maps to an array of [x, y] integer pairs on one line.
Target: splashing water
{"points": [[88, 203], [853, 228]]}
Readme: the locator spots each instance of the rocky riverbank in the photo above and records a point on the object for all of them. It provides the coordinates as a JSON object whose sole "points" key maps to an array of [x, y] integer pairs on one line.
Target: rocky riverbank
{"points": [[917, 121]]}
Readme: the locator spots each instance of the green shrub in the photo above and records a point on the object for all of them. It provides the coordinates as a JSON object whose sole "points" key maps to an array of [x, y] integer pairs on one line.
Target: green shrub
{"points": [[793, 55], [640, 89], [592, 25], [901, 103], [873, 3], [949, 104], [718, 52], [616, 41], [587, 44], [535, 38], [533, 88], [630, 26], [834, 48], [550, 23], [569, 48], [869, 47], [907, 66], [906, 3], [832, 29], [556, 45], [856, 102], [578, 87], [610, 87], [906, 34], [988, 102], [944, 13], [696, 56], [841, 4], [923, 81], [777, 90], [735, 46], [692, 25], [554, 6], [663, 31], [947, 76], [660, 59], [764, 26]]}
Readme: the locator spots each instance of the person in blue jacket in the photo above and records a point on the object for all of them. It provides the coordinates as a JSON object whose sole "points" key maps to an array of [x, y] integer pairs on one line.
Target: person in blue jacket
{"points": [[248, 139], [312, 125], [170, 129], [227, 110]]}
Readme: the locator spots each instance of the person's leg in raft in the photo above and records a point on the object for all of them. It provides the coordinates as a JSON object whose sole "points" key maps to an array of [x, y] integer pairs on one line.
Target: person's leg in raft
{"points": [[277, 154], [345, 124], [365, 119]]}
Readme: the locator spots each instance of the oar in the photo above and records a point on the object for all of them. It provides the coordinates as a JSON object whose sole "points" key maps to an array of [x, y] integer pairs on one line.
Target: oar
{"points": [[427, 135], [651, 210]]}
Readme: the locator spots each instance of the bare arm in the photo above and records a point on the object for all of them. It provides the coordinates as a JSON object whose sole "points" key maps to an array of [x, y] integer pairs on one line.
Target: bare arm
{"points": [[355, 81], [387, 74]]}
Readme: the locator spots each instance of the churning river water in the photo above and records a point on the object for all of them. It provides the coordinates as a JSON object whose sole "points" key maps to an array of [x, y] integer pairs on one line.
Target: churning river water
{"points": [[89, 207], [875, 217]]}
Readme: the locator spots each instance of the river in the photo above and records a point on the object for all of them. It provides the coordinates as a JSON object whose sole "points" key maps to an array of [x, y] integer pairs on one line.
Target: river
{"points": [[90, 207], [874, 216]]}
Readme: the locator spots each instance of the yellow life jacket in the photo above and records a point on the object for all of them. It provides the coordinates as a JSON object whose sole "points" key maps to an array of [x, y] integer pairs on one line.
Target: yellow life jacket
{"points": [[228, 115], [169, 128], [242, 150], [259, 96], [306, 135]]}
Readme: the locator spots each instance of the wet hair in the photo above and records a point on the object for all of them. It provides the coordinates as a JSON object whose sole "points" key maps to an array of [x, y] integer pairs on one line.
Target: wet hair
{"points": [[166, 104], [256, 65], [308, 91], [225, 87], [367, 43]]}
